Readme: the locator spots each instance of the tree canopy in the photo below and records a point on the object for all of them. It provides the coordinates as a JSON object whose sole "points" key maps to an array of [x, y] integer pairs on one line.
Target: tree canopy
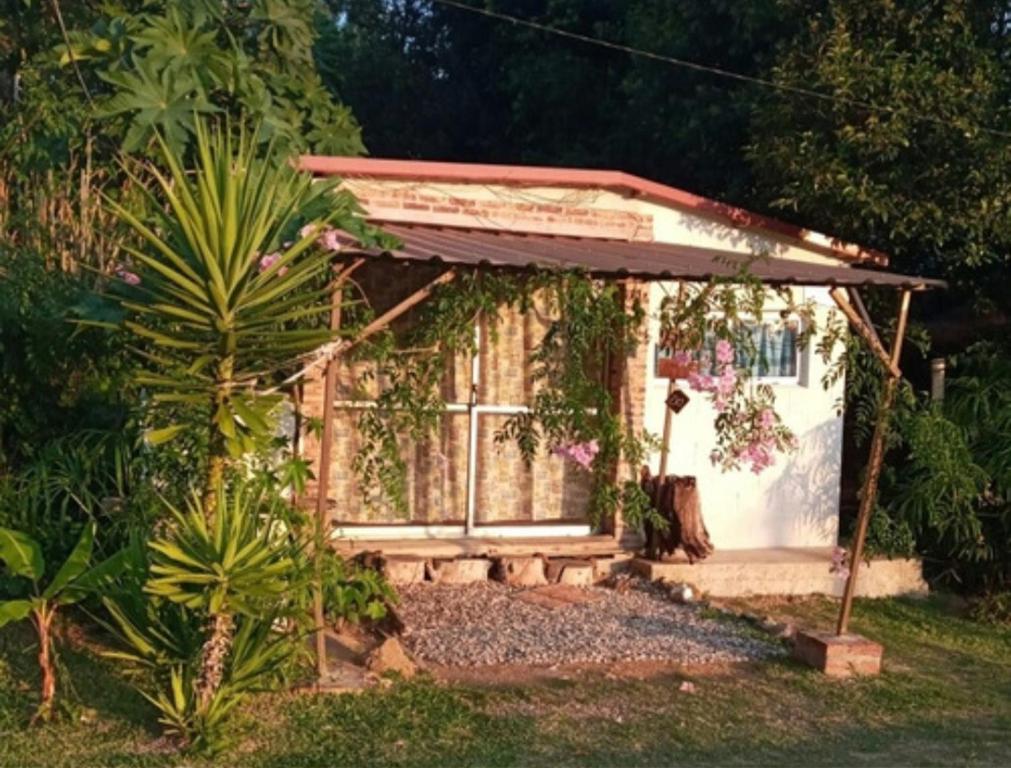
{"points": [[917, 177]]}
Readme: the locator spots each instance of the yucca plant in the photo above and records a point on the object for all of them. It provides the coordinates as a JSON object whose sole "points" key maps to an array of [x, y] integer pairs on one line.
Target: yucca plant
{"points": [[228, 287], [238, 564], [227, 290], [204, 616]]}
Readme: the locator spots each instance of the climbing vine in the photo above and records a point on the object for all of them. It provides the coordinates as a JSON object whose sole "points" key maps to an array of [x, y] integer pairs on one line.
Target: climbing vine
{"points": [[707, 328], [572, 413]]}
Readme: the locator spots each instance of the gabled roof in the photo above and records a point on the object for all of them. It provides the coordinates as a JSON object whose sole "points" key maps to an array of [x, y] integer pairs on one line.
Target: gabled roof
{"points": [[584, 178]]}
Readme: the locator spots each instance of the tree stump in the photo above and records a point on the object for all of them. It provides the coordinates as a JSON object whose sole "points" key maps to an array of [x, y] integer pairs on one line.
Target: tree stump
{"points": [[677, 501]]}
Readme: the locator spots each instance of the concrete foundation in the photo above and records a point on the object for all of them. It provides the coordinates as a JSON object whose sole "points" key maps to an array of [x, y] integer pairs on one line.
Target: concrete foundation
{"points": [[747, 572]]}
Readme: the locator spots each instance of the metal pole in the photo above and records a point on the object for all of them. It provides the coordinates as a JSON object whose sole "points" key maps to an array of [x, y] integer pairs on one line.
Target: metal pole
{"points": [[868, 495]]}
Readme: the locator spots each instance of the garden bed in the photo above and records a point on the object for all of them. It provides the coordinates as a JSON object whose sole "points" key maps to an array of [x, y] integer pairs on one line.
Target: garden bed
{"points": [[489, 623]]}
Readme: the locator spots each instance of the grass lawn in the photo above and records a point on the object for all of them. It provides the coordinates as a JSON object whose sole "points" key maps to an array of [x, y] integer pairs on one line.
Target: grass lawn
{"points": [[944, 699]]}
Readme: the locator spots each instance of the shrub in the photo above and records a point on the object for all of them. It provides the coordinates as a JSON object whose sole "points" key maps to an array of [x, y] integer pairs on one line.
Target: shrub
{"points": [[951, 484]]}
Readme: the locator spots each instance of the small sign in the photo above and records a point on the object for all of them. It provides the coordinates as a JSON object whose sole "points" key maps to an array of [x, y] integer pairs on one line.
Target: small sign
{"points": [[677, 400]]}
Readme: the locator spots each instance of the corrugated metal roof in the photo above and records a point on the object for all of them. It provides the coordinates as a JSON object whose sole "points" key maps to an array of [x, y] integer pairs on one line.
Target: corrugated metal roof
{"points": [[614, 258]]}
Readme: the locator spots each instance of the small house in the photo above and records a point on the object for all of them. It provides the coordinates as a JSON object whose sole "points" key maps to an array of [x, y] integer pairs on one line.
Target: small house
{"points": [[463, 486]]}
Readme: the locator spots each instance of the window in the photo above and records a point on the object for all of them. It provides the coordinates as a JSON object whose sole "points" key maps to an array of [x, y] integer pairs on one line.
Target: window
{"points": [[775, 344]]}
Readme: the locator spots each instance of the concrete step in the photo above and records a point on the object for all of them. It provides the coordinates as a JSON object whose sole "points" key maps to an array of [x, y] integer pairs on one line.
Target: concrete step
{"points": [[795, 572]]}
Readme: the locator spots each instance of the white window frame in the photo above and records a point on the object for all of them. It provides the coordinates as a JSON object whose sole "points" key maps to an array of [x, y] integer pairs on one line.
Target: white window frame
{"points": [[471, 527], [796, 380]]}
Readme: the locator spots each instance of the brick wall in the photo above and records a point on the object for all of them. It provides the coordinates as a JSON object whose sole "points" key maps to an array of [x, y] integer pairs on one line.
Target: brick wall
{"points": [[516, 210], [506, 488]]}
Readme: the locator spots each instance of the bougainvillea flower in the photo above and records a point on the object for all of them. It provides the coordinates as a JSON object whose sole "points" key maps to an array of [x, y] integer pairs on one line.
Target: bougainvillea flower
{"points": [[580, 453], [128, 277]]}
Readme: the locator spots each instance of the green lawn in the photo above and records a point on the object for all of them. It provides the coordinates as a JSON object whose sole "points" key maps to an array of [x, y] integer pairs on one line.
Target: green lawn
{"points": [[944, 699]]}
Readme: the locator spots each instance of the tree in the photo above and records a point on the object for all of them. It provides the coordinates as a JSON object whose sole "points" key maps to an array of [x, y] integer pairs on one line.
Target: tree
{"points": [[455, 85], [919, 177]]}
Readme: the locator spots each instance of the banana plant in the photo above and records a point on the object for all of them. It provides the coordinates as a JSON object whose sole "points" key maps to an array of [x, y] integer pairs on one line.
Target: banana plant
{"points": [[228, 286], [43, 598]]}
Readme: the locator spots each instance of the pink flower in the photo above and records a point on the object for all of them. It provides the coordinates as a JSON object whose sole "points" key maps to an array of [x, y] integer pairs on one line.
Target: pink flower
{"points": [[728, 380], [766, 418], [714, 457], [269, 260], [724, 352], [700, 382], [128, 277], [840, 566], [330, 240], [580, 453]]}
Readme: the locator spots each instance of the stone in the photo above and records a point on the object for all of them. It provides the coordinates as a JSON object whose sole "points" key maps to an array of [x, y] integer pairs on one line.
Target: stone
{"points": [[461, 571], [682, 593], [520, 571], [576, 573], [390, 657], [404, 569], [838, 655]]}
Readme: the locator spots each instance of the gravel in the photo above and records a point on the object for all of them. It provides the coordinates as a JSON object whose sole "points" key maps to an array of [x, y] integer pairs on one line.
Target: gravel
{"points": [[481, 624]]}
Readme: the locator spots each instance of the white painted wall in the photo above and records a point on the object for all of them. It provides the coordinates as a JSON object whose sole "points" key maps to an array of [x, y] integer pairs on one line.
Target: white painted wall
{"points": [[794, 503]]}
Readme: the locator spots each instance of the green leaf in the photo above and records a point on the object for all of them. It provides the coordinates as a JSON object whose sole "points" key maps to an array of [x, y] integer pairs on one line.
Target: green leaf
{"points": [[164, 434], [21, 554], [14, 610], [74, 565]]}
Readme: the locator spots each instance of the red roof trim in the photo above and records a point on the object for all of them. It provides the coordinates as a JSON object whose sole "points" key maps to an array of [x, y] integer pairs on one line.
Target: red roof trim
{"points": [[616, 181]]}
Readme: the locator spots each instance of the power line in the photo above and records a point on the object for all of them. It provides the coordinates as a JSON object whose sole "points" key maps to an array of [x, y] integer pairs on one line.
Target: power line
{"points": [[717, 71]]}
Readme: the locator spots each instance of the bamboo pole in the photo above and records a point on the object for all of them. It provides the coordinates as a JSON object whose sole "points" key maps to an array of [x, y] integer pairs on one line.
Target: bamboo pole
{"points": [[868, 494], [866, 330], [325, 459], [384, 320]]}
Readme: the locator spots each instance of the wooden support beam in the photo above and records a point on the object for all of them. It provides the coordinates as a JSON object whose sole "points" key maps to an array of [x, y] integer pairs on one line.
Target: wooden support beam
{"points": [[869, 492], [384, 320], [865, 330], [325, 459], [615, 372]]}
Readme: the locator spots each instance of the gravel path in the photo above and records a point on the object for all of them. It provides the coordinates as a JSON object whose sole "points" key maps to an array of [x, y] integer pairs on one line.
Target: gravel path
{"points": [[480, 624]]}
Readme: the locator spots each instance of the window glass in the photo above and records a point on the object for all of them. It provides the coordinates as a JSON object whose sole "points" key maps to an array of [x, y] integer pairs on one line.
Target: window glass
{"points": [[775, 353]]}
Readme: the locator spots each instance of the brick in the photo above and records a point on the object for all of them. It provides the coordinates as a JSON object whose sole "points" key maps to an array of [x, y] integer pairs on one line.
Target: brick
{"points": [[576, 573], [838, 656]]}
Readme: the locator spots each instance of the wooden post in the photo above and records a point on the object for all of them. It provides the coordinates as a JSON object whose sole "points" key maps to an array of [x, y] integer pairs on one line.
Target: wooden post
{"points": [[868, 494], [615, 373], [325, 458]]}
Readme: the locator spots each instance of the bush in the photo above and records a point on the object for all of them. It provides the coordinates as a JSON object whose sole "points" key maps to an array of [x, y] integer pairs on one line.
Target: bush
{"points": [[951, 484]]}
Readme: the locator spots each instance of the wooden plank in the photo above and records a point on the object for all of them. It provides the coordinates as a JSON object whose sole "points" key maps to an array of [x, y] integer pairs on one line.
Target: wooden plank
{"points": [[556, 546], [325, 459], [383, 321]]}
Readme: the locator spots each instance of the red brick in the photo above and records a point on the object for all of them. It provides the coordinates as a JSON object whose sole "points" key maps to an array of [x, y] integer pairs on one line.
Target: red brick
{"points": [[838, 655]]}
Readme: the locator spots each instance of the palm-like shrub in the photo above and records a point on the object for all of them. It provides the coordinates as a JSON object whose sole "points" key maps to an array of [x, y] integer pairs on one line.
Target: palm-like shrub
{"points": [[203, 621], [228, 287]]}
